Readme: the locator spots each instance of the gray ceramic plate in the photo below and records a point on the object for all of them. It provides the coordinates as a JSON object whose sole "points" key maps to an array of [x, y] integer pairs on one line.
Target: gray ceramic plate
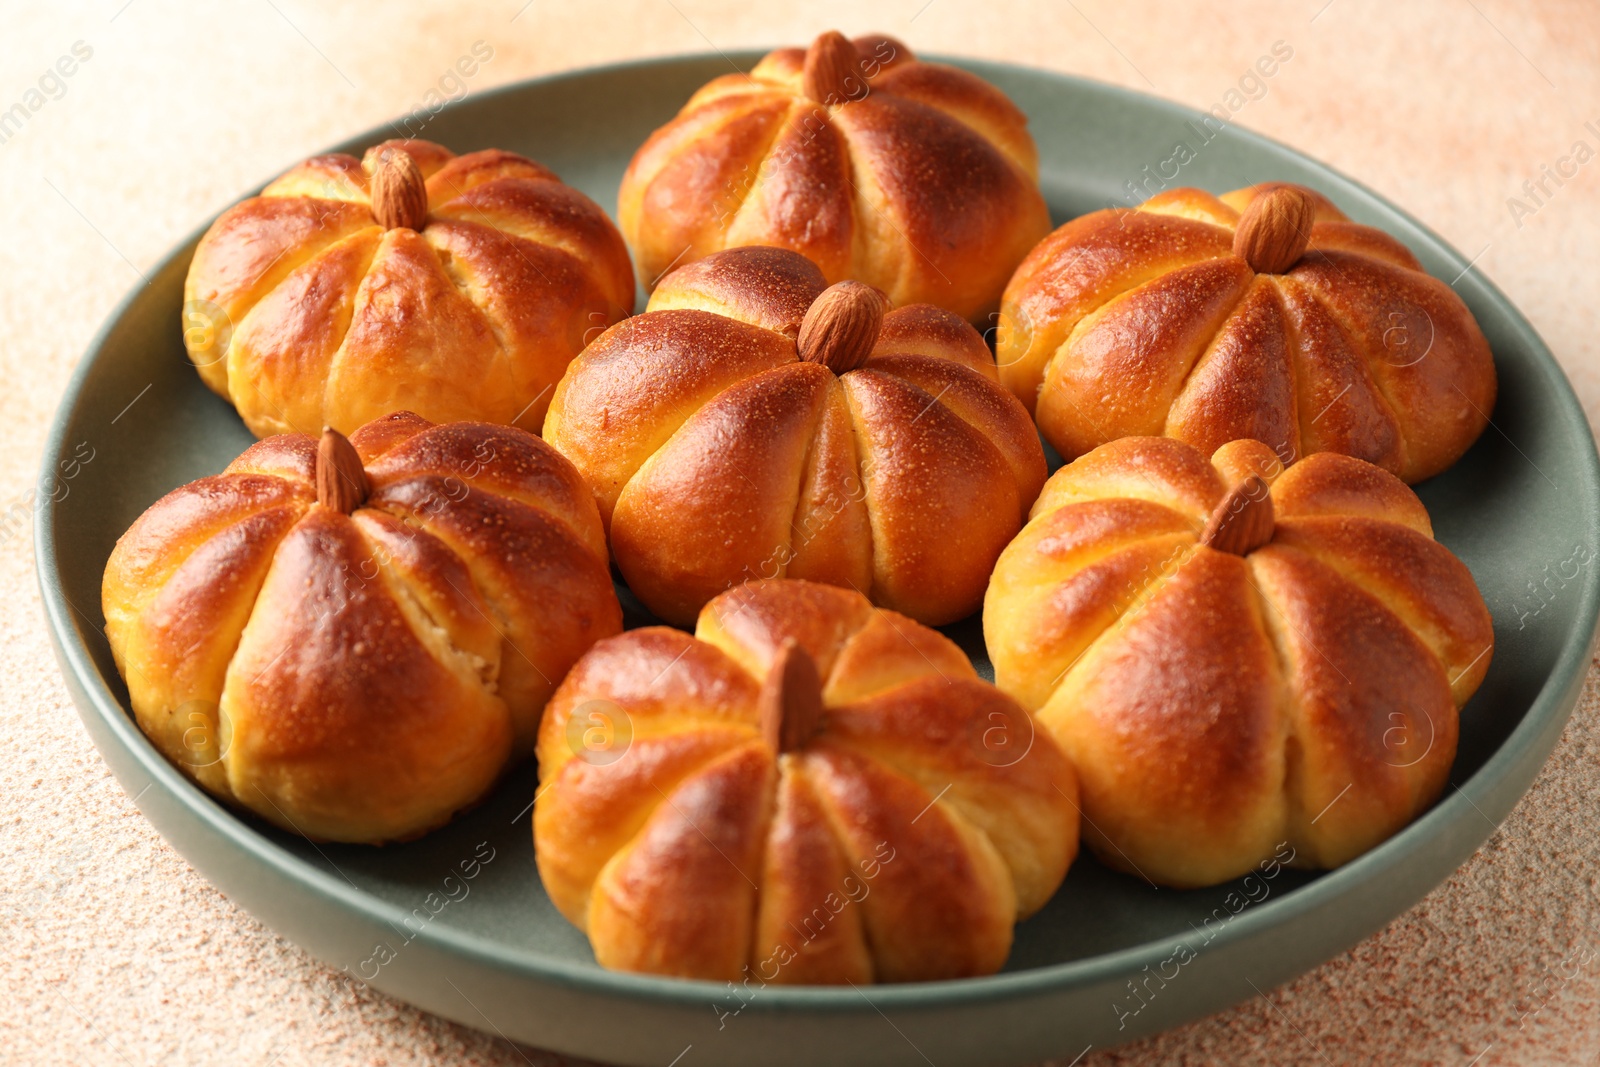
{"points": [[1521, 509]]}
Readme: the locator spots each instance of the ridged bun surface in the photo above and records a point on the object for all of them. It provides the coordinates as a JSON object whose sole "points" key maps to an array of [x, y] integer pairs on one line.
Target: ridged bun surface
{"points": [[718, 455], [360, 676], [896, 834], [1148, 321], [1300, 689], [917, 178], [304, 308]]}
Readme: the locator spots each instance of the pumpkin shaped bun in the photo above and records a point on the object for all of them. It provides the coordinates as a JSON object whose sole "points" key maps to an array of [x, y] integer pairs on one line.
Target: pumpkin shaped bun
{"points": [[916, 178], [1237, 656], [808, 790], [1262, 314], [458, 287], [756, 423], [351, 638]]}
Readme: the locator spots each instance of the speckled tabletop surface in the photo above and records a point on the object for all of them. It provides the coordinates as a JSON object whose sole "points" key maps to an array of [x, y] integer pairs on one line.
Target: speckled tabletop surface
{"points": [[116, 951]]}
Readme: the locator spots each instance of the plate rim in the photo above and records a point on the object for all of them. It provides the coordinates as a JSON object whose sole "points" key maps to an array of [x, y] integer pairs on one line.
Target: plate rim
{"points": [[1527, 746]]}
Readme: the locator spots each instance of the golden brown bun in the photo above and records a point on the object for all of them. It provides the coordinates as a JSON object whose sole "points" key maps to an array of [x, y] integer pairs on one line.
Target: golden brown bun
{"points": [[718, 456], [898, 842], [360, 677], [1135, 322], [1217, 705], [921, 180], [304, 312]]}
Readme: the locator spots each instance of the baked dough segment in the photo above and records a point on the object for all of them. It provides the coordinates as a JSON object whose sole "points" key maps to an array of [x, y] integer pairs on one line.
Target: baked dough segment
{"points": [[964, 393], [284, 348], [252, 248], [1171, 475], [968, 99], [955, 925], [1338, 405], [458, 176], [306, 696], [831, 534], [511, 511], [1372, 716], [1414, 577], [521, 199], [1114, 253], [1422, 347], [621, 380], [940, 197], [719, 497], [750, 626], [1179, 737], [514, 383], [917, 457], [674, 772], [595, 809], [800, 194], [680, 898], [933, 332], [413, 339], [499, 460], [808, 927], [1125, 364], [965, 743], [173, 627], [766, 287], [707, 158], [1067, 579], [1245, 381]]}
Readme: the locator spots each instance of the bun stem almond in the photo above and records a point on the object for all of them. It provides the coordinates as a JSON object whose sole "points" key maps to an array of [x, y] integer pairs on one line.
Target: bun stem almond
{"points": [[1275, 229], [341, 480], [841, 326], [1244, 521], [832, 72], [399, 193], [791, 699]]}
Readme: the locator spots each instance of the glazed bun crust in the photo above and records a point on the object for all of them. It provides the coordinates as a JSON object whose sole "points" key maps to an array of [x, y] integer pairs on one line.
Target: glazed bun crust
{"points": [[892, 845], [360, 677], [304, 311], [1131, 322], [1219, 706], [923, 182], [717, 455]]}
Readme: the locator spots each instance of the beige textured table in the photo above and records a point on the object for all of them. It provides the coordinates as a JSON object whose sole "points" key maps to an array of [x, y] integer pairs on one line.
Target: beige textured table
{"points": [[116, 951]]}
